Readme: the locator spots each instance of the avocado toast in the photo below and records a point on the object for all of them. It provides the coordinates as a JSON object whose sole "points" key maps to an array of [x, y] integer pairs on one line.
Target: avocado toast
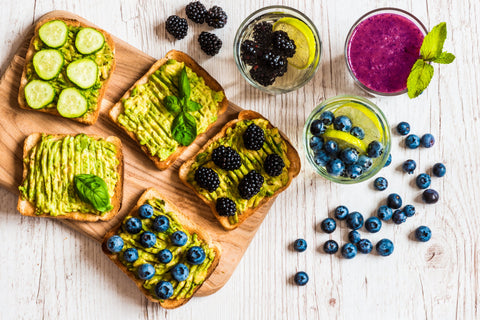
{"points": [[67, 69], [52, 162], [129, 248], [228, 185], [143, 114]]}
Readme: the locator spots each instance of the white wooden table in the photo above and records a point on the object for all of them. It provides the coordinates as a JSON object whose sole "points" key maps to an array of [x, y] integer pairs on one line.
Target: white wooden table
{"points": [[49, 271]]}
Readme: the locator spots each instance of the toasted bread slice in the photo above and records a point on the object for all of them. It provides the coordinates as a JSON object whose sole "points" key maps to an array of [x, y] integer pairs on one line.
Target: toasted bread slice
{"points": [[152, 193], [118, 108], [27, 208], [90, 117], [293, 170]]}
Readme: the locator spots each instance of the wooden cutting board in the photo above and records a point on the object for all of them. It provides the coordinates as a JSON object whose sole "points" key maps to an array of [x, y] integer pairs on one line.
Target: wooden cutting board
{"points": [[140, 173]]}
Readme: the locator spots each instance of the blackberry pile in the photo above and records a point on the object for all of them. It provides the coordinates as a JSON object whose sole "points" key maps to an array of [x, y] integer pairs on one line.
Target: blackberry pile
{"points": [[226, 207], [216, 17], [273, 165], [207, 179], [196, 12], [253, 137], [267, 54], [177, 27], [209, 43], [226, 158], [250, 185]]}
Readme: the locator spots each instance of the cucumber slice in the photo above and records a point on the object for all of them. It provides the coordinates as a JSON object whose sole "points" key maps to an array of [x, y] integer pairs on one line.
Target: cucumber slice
{"points": [[71, 103], [89, 40], [83, 72], [54, 33], [48, 63], [39, 93]]}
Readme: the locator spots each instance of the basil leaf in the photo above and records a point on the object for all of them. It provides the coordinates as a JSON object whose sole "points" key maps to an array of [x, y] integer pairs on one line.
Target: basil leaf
{"points": [[184, 128], [432, 44], [184, 85], [444, 58], [93, 190], [419, 78], [172, 104], [192, 106]]}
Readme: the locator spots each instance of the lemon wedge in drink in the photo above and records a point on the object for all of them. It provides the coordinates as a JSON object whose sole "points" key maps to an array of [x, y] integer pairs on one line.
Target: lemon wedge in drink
{"points": [[344, 140], [304, 40], [362, 117]]}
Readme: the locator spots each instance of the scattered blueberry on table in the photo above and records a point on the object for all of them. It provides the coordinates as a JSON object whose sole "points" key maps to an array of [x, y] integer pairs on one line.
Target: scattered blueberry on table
{"points": [[427, 140], [384, 247], [423, 233], [412, 141], [349, 251], [380, 183], [399, 217], [403, 128], [330, 247], [301, 278], [373, 224], [300, 245], [384, 213], [409, 210], [439, 170], [364, 246], [394, 201], [389, 160], [354, 236], [341, 212], [430, 196], [354, 220], [409, 166], [423, 181], [328, 225]]}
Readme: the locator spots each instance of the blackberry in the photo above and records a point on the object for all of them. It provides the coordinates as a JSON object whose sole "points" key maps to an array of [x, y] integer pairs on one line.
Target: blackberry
{"points": [[283, 44], [249, 51], [274, 61], [262, 76], [226, 158], [226, 207], [216, 17], [262, 33], [273, 165], [177, 27], [250, 185], [207, 179], [209, 43], [196, 12], [253, 137]]}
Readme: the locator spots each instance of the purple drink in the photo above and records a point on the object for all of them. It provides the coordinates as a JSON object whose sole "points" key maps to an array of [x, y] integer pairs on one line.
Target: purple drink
{"points": [[382, 50]]}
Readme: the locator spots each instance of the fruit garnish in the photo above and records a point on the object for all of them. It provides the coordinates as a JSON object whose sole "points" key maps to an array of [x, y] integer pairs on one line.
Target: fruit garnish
{"points": [[364, 118], [304, 40], [344, 140]]}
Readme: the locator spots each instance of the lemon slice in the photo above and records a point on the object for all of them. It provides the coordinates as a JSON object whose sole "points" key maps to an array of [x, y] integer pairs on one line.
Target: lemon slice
{"points": [[362, 117], [344, 140], [304, 40]]}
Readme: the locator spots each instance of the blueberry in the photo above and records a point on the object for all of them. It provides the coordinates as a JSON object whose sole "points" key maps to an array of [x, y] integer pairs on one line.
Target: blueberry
{"points": [[423, 233], [430, 196], [354, 220], [317, 127], [316, 143], [331, 147], [335, 167], [321, 158], [164, 289], [384, 213], [130, 255], [409, 210], [195, 255], [380, 183], [327, 118], [354, 171], [423, 181], [358, 132], [354, 236], [180, 272], [161, 223], [349, 251], [399, 217], [300, 245], [328, 225], [341, 212], [301, 278], [374, 149], [164, 256], [148, 239], [373, 224], [115, 244], [389, 160], [409, 166], [394, 201], [412, 141], [365, 162], [179, 238], [342, 123], [403, 128], [145, 271], [384, 247], [427, 140], [349, 155], [364, 246], [145, 211], [330, 247], [439, 170], [133, 225]]}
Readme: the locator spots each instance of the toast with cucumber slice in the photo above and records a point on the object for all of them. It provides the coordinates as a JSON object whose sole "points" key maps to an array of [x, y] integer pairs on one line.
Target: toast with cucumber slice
{"points": [[67, 69]]}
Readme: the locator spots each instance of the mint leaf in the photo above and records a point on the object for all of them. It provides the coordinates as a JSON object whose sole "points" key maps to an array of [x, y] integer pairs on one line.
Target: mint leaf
{"points": [[432, 45], [192, 106], [93, 189], [419, 78], [184, 85], [444, 58], [184, 128], [172, 104]]}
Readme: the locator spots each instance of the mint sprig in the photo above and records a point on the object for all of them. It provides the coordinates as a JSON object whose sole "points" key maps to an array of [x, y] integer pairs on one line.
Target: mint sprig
{"points": [[184, 126], [430, 51]]}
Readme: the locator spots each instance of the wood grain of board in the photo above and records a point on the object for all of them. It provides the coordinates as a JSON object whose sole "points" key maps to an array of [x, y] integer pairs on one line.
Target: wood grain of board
{"points": [[140, 173]]}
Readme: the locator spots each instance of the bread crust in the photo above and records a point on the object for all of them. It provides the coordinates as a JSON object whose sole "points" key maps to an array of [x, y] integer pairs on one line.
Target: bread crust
{"points": [[27, 208], [293, 170], [153, 193], [118, 108], [90, 117]]}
